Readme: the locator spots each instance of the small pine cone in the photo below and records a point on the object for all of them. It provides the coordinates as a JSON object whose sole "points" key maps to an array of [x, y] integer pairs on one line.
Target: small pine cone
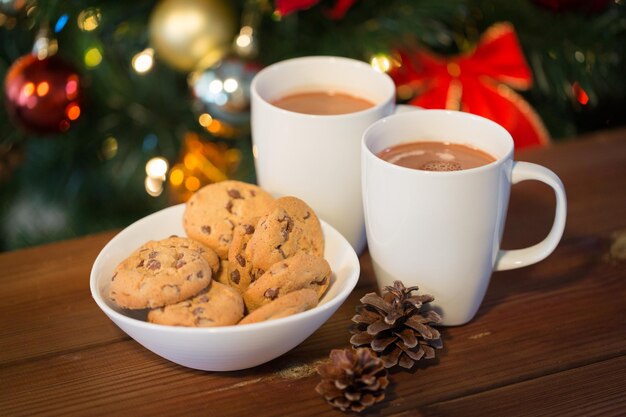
{"points": [[395, 327], [353, 379]]}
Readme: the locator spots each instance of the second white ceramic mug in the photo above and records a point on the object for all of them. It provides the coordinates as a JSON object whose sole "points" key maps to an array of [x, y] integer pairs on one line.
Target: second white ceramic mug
{"points": [[317, 157], [442, 230]]}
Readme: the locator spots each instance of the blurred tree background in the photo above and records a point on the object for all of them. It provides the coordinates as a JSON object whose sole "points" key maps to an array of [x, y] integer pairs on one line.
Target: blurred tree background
{"points": [[115, 109]]}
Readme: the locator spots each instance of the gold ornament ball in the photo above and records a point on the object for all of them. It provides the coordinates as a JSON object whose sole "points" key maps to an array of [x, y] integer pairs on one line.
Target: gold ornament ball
{"points": [[191, 34]]}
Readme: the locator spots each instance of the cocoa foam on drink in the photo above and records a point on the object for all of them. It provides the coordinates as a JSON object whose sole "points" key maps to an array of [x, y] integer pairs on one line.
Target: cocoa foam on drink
{"points": [[435, 156]]}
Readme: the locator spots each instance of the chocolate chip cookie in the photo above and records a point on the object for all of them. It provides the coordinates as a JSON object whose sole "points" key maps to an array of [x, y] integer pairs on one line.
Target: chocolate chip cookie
{"points": [[213, 212], [218, 305], [290, 227], [162, 272], [297, 272], [292, 303]]}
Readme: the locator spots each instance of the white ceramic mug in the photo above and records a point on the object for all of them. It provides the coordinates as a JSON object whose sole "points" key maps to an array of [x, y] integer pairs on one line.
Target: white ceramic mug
{"points": [[442, 230], [317, 157]]}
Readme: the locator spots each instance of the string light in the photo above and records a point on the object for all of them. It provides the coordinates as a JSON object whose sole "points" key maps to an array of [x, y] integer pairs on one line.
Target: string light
{"points": [[205, 120], [579, 56], [192, 183], [71, 87], [202, 162], [156, 173], [157, 168], [381, 62], [109, 148], [43, 88], [61, 22], [580, 94], [143, 61], [89, 19], [93, 57], [177, 176], [230, 85], [45, 46], [384, 62], [244, 39], [72, 111], [244, 43], [154, 187]]}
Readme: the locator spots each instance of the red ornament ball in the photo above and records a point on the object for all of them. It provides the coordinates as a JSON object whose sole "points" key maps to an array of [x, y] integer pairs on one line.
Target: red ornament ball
{"points": [[42, 95]]}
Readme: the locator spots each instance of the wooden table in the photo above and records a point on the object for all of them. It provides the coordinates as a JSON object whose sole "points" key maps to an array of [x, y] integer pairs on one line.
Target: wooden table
{"points": [[549, 339]]}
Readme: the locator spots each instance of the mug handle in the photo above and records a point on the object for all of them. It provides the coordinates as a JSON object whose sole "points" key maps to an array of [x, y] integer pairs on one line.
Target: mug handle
{"points": [[517, 258]]}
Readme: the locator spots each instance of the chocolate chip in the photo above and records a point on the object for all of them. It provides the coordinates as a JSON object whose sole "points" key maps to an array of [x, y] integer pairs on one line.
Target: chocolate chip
{"points": [[206, 229], [248, 228], [140, 264], [197, 311], [241, 260], [234, 194], [306, 216], [204, 299], [153, 254], [153, 264], [200, 274], [252, 193], [229, 206], [188, 277], [179, 264], [271, 293], [255, 274], [280, 250], [234, 276]]}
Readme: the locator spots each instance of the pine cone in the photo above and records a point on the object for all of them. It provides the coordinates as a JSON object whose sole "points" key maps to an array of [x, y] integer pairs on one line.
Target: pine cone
{"points": [[395, 328], [353, 379]]}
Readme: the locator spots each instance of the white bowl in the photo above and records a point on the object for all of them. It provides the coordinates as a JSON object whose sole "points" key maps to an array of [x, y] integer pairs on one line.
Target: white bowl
{"points": [[225, 348]]}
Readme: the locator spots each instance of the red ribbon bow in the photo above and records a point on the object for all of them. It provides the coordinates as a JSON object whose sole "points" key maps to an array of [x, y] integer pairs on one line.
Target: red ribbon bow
{"points": [[480, 82], [338, 11]]}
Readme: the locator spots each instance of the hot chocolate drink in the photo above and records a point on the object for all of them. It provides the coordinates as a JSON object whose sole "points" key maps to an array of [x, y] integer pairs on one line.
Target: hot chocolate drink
{"points": [[322, 103], [436, 156]]}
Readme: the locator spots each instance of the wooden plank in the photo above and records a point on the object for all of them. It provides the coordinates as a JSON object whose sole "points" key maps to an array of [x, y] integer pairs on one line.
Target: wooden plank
{"points": [[46, 303], [592, 390], [48, 270]]}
